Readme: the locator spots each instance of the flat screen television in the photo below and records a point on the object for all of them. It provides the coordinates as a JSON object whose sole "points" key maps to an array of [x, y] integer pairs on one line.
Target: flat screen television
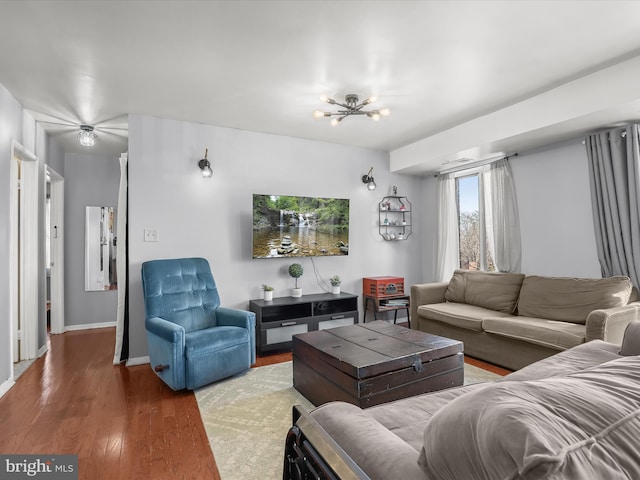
{"points": [[288, 226]]}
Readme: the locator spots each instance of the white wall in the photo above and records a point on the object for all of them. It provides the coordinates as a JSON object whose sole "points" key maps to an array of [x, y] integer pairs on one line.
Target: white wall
{"points": [[17, 124], [212, 217], [91, 180], [11, 116], [554, 203]]}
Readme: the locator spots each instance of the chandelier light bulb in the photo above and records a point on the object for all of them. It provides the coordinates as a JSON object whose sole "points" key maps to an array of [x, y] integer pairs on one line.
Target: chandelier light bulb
{"points": [[385, 112], [335, 121], [375, 115], [318, 114]]}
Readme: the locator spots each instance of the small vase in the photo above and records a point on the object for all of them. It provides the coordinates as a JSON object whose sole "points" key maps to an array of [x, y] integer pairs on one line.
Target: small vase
{"points": [[268, 295], [335, 290], [296, 292]]}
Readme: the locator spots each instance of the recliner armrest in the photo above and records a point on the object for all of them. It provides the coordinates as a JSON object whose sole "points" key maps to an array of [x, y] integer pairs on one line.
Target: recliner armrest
{"points": [[235, 317], [609, 324], [166, 330]]}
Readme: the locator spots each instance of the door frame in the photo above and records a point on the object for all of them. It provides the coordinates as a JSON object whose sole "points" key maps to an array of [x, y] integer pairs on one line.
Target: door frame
{"points": [[26, 297], [57, 250]]}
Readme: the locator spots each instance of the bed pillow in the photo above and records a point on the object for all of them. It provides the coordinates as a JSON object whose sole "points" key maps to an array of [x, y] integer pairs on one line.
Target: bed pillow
{"points": [[578, 426]]}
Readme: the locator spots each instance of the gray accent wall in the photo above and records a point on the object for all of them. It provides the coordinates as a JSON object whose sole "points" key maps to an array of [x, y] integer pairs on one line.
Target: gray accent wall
{"points": [[212, 218], [90, 180]]}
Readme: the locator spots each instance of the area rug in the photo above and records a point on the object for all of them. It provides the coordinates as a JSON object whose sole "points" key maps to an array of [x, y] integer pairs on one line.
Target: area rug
{"points": [[247, 418]]}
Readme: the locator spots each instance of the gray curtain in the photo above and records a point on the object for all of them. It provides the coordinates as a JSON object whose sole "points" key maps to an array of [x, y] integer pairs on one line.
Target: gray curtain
{"points": [[614, 169]]}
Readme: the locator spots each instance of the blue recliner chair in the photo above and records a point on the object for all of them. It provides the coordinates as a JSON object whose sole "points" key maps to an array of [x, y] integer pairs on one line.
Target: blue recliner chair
{"points": [[192, 340]]}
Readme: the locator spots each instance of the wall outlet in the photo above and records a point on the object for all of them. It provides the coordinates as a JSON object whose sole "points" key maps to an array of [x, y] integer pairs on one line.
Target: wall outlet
{"points": [[151, 235]]}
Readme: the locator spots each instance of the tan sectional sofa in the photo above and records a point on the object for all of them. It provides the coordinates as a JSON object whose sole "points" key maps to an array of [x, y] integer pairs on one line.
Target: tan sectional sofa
{"points": [[512, 320]]}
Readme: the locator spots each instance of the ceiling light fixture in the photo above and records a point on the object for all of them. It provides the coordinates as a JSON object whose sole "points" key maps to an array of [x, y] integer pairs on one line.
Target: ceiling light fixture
{"points": [[368, 179], [351, 107], [86, 136], [205, 166]]}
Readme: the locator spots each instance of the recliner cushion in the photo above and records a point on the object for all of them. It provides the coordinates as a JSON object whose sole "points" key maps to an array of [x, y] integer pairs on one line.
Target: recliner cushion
{"points": [[215, 339], [492, 290], [458, 314], [548, 333], [571, 299]]}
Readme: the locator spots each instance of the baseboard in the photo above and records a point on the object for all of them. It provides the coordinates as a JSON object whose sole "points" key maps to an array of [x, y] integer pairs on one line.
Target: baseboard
{"points": [[4, 388], [43, 349], [89, 326], [132, 362]]}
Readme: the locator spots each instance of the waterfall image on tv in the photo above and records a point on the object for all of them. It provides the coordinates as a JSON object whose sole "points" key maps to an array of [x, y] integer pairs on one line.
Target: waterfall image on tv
{"points": [[287, 226]]}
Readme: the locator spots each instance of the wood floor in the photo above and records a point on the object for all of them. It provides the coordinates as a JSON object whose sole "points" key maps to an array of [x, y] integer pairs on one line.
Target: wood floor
{"points": [[122, 422]]}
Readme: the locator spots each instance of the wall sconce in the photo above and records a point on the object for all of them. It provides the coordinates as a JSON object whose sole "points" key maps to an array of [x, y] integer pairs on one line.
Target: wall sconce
{"points": [[368, 179], [205, 166]]}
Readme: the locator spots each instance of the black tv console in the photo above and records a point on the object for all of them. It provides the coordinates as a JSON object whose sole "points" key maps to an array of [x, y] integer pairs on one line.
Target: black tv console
{"points": [[278, 320]]}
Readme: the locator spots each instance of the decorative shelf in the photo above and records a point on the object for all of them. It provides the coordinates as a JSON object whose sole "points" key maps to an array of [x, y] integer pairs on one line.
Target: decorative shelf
{"points": [[394, 218]]}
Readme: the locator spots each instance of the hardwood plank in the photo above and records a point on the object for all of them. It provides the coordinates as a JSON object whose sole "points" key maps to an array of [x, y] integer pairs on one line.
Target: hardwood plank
{"points": [[121, 422]]}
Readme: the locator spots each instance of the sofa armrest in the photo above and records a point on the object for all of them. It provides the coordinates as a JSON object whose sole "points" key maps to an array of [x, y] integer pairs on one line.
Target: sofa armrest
{"points": [[234, 317], [609, 324], [423, 294], [310, 452]]}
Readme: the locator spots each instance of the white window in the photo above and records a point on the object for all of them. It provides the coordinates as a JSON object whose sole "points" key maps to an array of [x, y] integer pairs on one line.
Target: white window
{"points": [[473, 251]]}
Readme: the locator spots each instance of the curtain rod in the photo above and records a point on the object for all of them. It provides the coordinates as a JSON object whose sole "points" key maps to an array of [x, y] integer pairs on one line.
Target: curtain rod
{"points": [[469, 166], [623, 135]]}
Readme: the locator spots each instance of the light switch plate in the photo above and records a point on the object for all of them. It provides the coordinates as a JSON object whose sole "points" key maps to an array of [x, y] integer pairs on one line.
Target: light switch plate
{"points": [[151, 235]]}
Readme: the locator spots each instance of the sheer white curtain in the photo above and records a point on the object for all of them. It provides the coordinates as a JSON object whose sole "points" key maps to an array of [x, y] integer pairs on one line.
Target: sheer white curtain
{"points": [[448, 239], [501, 217], [121, 261]]}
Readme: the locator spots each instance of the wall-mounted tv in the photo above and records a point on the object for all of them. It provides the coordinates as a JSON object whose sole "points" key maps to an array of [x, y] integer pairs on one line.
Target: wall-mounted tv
{"points": [[287, 226]]}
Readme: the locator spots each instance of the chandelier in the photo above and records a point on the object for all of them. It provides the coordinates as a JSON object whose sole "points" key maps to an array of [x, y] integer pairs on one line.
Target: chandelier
{"points": [[86, 136], [351, 106]]}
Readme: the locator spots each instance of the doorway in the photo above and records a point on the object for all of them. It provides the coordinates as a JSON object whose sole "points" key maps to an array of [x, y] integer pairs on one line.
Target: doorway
{"points": [[26, 208], [55, 249]]}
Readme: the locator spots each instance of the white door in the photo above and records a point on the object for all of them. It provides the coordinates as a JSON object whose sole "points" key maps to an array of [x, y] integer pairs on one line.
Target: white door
{"points": [[56, 250], [25, 267]]}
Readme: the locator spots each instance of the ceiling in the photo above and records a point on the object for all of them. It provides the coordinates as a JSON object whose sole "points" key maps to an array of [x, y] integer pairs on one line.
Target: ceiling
{"points": [[262, 65]]}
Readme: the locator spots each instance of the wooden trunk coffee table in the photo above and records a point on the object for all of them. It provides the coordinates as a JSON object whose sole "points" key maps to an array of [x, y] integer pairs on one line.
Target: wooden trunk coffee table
{"points": [[371, 363]]}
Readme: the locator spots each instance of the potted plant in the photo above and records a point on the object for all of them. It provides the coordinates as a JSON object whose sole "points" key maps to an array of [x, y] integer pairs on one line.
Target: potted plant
{"points": [[335, 284], [296, 271], [267, 291]]}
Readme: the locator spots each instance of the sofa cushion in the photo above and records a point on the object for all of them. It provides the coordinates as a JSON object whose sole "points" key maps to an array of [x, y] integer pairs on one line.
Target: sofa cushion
{"points": [[582, 425], [458, 314], [571, 299], [492, 290], [548, 333], [631, 339]]}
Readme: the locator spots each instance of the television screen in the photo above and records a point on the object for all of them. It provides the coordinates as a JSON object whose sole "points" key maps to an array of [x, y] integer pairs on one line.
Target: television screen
{"points": [[286, 226]]}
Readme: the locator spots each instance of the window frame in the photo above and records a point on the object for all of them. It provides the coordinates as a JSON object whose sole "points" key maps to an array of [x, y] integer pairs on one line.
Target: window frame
{"points": [[475, 172]]}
